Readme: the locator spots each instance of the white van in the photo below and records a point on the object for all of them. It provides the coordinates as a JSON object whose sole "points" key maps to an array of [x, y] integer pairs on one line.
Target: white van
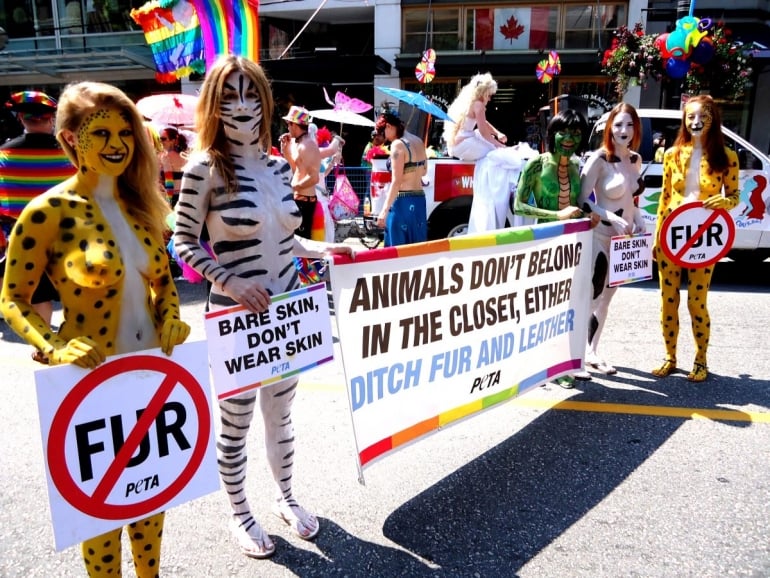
{"points": [[751, 216]]}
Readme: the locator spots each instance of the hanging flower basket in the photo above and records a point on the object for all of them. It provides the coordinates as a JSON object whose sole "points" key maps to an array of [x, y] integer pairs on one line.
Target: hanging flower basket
{"points": [[634, 58]]}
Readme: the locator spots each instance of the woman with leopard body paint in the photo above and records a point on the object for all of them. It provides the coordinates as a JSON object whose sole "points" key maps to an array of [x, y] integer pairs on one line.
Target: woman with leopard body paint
{"points": [[99, 237], [698, 167]]}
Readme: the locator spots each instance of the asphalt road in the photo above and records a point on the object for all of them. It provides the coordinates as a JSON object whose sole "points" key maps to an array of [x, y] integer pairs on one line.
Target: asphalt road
{"points": [[623, 476]]}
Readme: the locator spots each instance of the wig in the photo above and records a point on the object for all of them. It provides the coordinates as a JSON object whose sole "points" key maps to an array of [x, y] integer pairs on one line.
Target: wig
{"points": [[479, 86], [568, 119]]}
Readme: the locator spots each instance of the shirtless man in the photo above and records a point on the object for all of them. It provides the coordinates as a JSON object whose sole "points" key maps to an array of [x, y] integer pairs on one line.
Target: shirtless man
{"points": [[304, 158]]}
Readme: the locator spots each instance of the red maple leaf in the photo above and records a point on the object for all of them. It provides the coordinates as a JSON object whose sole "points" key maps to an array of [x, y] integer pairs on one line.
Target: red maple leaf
{"points": [[512, 29]]}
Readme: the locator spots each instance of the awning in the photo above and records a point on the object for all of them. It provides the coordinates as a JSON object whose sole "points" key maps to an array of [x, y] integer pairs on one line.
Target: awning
{"points": [[27, 68]]}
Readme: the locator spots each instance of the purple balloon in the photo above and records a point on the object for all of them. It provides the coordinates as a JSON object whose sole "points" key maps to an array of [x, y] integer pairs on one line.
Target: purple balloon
{"points": [[704, 52], [677, 68]]}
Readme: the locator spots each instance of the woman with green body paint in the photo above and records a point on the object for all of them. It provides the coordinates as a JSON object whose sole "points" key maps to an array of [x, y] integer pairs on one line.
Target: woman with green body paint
{"points": [[549, 185]]}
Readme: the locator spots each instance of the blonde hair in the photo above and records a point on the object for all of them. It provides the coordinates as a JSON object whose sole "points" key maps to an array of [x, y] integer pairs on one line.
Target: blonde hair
{"points": [[478, 87], [208, 121], [154, 136], [138, 185]]}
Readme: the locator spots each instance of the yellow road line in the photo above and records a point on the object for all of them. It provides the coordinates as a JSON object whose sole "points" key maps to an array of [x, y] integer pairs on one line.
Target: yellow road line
{"points": [[654, 410], [600, 407]]}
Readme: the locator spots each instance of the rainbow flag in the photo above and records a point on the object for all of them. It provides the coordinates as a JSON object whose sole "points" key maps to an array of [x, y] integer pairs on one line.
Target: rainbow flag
{"points": [[27, 173], [229, 27], [173, 32]]}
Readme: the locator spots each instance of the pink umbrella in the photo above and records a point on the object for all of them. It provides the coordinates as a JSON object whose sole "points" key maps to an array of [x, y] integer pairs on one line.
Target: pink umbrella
{"points": [[169, 109]]}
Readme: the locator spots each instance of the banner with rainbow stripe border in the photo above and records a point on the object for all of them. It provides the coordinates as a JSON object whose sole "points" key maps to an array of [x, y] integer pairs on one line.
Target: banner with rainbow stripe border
{"points": [[435, 332]]}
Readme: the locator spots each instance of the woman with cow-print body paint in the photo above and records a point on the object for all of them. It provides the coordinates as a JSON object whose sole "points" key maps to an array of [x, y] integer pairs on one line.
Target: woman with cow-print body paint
{"points": [[244, 198], [612, 176]]}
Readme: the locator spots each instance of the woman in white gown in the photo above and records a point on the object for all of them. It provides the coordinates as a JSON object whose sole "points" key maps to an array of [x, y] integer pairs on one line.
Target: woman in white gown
{"points": [[471, 136]]}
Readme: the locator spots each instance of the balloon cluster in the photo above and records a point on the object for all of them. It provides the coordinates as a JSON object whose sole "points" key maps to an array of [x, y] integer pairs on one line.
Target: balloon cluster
{"points": [[689, 43]]}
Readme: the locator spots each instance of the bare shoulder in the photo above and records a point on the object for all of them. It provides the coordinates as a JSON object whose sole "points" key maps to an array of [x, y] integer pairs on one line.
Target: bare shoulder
{"points": [[478, 107]]}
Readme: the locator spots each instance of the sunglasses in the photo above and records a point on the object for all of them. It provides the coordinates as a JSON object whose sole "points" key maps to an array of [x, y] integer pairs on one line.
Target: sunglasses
{"points": [[164, 138]]}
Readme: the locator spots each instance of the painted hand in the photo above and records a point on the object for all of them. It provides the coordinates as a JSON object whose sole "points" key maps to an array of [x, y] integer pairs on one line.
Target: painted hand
{"points": [[80, 351], [569, 213], [716, 202], [173, 333], [341, 249], [248, 293], [621, 226]]}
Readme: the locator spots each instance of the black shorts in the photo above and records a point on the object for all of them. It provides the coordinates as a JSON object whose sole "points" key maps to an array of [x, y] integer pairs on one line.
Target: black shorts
{"points": [[307, 208]]}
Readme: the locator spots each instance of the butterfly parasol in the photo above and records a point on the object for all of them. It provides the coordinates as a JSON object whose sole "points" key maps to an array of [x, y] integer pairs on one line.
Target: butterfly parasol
{"points": [[345, 110]]}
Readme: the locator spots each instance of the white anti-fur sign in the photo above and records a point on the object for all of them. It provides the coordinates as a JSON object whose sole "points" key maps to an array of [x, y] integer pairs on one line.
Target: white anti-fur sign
{"points": [[128, 439], [250, 350]]}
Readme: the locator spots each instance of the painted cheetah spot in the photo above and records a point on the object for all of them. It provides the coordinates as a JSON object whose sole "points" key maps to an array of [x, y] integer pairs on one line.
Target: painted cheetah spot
{"points": [[54, 202]]}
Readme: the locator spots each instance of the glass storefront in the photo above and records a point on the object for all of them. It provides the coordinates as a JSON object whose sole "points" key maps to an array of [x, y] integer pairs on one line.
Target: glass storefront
{"points": [[47, 18]]}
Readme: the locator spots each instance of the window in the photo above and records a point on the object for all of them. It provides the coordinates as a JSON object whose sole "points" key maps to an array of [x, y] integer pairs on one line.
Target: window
{"points": [[18, 19], [512, 28], [591, 26], [443, 29]]}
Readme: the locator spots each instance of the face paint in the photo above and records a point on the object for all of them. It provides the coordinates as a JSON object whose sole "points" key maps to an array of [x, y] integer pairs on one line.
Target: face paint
{"points": [[622, 130], [105, 142], [241, 108], [697, 119], [567, 141]]}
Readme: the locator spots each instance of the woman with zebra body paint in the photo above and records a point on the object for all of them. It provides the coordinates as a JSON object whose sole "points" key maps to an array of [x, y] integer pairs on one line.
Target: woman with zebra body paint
{"points": [[244, 197]]}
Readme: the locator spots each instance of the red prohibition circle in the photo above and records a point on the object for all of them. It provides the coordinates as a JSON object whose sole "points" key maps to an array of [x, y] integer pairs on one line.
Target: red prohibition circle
{"points": [[712, 216], [57, 436]]}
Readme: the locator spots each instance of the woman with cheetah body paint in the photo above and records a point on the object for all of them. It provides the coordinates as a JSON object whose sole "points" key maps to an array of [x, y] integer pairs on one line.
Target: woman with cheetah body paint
{"points": [[99, 237], [698, 167], [549, 185], [244, 197], [611, 173]]}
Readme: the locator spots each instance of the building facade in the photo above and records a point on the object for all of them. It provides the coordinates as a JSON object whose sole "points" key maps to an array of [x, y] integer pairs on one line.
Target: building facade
{"points": [[354, 46]]}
